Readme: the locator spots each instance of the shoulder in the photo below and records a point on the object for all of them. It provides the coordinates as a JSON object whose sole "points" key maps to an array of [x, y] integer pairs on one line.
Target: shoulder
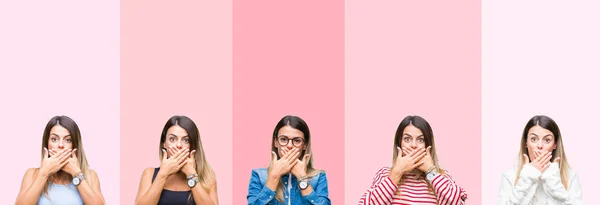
{"points": [[509, 174], [573, 174], [259, 175], [260, 171], [31, 172], [384, 171], [148, 172]]}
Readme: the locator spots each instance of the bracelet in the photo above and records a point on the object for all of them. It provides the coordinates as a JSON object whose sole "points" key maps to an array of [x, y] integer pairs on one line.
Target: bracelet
{"points": [[192, 176], [303, 178], [430, 169]]}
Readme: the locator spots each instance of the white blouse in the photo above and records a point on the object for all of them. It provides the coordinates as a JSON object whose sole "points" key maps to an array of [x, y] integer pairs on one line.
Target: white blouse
{"points": [[535, 188]]}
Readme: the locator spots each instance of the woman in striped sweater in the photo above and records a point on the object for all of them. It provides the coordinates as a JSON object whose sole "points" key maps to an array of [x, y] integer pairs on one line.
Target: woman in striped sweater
{"points": [[415, 177]]}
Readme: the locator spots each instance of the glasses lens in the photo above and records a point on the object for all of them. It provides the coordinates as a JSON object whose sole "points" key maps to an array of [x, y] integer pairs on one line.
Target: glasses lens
{"points": [[283, 141], [297, 142]]}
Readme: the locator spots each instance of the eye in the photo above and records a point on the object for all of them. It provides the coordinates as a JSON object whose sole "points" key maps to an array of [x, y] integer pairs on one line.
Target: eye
{"points": [[407, 139], [186, 140], [547, 140], [533, 139], [69, 140], [53, 139], [171, 139], [297, 141], [421, 140]]}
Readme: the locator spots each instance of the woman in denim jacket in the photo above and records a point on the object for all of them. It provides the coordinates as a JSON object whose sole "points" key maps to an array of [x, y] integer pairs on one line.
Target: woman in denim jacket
{"points": [[290, 178]]}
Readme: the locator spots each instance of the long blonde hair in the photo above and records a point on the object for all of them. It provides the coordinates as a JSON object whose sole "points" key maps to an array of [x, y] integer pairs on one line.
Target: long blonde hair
{"points": [[549, 124], [299, 124], [424, 126], [73, 129], [205, 172]]}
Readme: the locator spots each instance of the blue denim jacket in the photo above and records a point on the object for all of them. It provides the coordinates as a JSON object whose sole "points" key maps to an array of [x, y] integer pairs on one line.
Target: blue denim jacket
{"points": [[259, 194]]}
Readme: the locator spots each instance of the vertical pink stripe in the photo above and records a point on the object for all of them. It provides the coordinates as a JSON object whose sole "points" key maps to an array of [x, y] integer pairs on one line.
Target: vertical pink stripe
{"points": [[288, 59], [413, 58], [59, 58], [175, 60]]}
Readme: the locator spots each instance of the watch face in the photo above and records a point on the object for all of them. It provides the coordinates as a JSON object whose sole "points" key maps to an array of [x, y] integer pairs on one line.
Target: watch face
{"points": [[430, 176], [76, 181], [191, 183], [303, 184]]}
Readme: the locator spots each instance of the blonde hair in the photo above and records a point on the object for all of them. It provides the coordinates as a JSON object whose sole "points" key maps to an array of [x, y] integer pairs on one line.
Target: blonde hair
{"points": [[549, 124], [73, 129]]}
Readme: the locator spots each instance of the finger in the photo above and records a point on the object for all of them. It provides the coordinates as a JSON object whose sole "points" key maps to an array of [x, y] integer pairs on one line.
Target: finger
{"points": [[539, 158], [306, 158], [557, 160], [399, 150], [418, 157], [182, 155], [290, 155], [45, 153], [64, 158], [536, 154], [428, 151], [295, 156], [409, 149], [546, 166], [164, 151], [526, 158], [62, 164], [171, 151], [273, 156], [294, 163], [416, 151], [417, 165], [181, 164], [74, 153], [53, 153], [193, 155]]}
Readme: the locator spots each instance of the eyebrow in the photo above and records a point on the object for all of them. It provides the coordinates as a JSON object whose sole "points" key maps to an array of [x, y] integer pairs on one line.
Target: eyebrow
{"points": [[178, 136], [542, 137], [290, 137], [411, 135], [59, 135]]}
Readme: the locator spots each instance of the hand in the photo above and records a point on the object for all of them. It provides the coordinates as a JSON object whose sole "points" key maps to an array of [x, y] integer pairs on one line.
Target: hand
{"points": [[284, 164], [72, 167], [51, 164], [299, 170], [542, 162], [171, 165], [405, 162], [427, 161], [190, 166]]}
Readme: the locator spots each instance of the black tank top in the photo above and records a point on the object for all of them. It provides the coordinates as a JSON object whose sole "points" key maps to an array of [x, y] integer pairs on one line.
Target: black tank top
{"points": [[168, 197]]}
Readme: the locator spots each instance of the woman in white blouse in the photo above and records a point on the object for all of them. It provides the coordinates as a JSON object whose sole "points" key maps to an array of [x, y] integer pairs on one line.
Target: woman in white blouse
{"points": [[543, 175]]}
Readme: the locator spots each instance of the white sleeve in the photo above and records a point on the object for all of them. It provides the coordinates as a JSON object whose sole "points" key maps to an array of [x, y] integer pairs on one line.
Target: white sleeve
{"points": [[554, 187], [523, 192]]}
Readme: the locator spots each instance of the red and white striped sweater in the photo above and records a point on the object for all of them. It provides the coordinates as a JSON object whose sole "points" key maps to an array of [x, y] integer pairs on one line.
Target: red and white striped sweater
{"points": [[413, 190]]}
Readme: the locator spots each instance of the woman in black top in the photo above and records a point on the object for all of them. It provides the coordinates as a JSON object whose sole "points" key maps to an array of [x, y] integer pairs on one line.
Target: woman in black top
{"points": [[184, 177]]}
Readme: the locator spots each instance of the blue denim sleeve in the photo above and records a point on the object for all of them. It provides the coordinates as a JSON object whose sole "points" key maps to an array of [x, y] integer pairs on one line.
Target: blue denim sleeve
{"points": [[258, 193], [320, 194]]}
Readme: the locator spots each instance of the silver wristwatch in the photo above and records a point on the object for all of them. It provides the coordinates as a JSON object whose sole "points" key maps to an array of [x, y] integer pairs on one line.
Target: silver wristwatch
{"points": [[303, 182], [192, 180], [78, 178], [432, 173]]}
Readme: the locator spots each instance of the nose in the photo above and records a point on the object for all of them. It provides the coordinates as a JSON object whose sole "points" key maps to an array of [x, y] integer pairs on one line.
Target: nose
{"points": [[60, 144], [290, 144], [179, 144], [413, 144], [540, 145]]}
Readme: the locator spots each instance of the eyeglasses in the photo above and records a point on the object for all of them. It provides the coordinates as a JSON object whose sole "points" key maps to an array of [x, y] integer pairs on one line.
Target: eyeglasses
{"points": [[297, 141]]}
